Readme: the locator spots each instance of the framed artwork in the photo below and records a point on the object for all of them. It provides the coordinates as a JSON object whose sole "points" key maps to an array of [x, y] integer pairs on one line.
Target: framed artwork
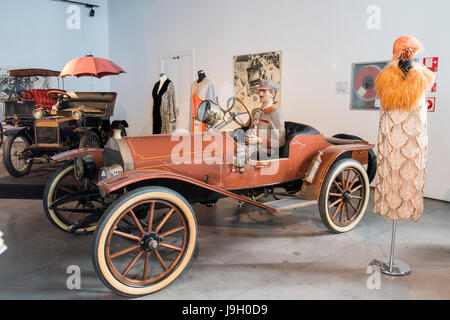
{"points": [[250, 69], [9, 86]]}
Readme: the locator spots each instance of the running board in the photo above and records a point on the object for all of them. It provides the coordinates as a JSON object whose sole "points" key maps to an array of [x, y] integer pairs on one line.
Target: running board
{"points": [[289, 204]]}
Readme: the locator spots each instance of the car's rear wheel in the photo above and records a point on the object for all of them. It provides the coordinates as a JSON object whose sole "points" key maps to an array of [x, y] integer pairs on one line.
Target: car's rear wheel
{"points": [[344, 196], [15, 157], [372, 161], [145, 240]]}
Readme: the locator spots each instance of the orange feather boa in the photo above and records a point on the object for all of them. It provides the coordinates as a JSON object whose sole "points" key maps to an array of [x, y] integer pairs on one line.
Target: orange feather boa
{"points": [[398, 93]]}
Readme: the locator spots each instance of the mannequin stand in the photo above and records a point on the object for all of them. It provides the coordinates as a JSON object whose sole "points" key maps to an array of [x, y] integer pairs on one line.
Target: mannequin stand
{"points": [[392, 266]]}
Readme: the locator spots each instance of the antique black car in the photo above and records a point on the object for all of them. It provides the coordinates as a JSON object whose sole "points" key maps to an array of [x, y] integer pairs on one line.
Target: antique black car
{"points": [[41, 127]]}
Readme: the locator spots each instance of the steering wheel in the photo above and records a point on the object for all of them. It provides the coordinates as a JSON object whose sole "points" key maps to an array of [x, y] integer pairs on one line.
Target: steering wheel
{"points": [[237, 116], [26, 95], [59, 95]]}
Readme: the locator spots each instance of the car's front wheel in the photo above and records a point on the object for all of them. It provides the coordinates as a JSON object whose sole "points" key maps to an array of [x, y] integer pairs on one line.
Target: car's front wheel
{"points": [[145, 240], [15, 155], [344, 196], [72, 205]]}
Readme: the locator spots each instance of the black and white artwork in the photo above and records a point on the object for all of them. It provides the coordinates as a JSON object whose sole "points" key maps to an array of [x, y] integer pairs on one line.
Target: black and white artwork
{"points": [[250, 70], [9, 86]]}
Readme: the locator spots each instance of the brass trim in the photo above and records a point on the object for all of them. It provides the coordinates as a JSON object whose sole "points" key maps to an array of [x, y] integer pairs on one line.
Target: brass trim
{"points": [[128, 162], [44, 123], [48, 145]]}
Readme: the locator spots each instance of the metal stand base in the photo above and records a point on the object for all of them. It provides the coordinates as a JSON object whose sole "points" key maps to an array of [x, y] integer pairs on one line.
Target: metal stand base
{"points": [[398, 268], [392, 266]]}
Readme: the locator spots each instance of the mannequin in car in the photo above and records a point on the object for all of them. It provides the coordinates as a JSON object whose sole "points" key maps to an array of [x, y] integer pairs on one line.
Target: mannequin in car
{"points": [[267, 132]]}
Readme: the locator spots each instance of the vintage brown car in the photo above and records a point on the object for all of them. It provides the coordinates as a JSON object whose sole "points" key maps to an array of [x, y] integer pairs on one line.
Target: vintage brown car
{"points": [[142, 188]]}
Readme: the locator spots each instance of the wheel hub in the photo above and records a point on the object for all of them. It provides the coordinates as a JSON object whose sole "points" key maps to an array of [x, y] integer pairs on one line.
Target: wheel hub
{"points": [[346, 196], [150, 241]]}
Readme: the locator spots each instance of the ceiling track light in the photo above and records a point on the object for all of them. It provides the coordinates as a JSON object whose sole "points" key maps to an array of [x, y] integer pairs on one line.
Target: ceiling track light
{"points": [[87, 5]]}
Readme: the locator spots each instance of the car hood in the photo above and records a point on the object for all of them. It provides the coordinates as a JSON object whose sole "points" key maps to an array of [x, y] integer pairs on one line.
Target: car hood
{"points": [[170, 150]]}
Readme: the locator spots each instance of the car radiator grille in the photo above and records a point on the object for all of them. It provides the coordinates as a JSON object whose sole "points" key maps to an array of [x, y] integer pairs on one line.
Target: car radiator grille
{"points": [[47, 135]]}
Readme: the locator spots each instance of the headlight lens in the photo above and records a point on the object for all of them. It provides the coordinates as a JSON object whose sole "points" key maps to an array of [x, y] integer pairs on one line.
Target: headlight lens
{"points": [[79, 168], [111, 171], [77, 114], [84, 166], [38, 113]]}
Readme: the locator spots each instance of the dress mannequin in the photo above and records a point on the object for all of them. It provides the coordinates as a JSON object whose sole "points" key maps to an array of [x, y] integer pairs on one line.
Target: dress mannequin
{"points": [[202, 89], [164, 112], [162, 79], [201, 75], [402, 142]]}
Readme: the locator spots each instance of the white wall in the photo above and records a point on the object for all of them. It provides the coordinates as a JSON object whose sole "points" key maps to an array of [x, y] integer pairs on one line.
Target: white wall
{"points": [[35, 35], [319, 42]]}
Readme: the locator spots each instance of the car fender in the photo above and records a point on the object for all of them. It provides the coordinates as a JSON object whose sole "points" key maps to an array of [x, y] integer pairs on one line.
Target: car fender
{"points": [[130, 177], [72, 154], [12, 131], [331, 154]]}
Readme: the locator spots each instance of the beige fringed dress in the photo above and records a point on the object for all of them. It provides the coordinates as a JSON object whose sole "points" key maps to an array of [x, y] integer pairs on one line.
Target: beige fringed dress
{"points": [[402, 142]]}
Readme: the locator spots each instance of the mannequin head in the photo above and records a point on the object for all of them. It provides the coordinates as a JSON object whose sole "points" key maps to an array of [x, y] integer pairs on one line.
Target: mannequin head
{"points": [[405, 48], [405, 66], [201, 75], [267, 92], [266, 97]]}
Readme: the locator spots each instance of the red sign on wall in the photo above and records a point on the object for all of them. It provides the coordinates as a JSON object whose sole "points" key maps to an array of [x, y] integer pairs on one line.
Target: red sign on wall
{"points": [[433, 88], [431, 63], [431, 101]]}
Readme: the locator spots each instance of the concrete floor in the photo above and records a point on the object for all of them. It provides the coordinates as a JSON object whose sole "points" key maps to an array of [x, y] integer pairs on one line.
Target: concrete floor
{"points": [[244, 254]]}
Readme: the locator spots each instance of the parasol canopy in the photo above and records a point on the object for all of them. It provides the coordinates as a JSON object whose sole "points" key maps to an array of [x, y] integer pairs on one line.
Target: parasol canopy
{"points": [[90, 66]]}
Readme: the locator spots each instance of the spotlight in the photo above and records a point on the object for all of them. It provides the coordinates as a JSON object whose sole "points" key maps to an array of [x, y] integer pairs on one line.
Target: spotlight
{"points": [[92, 12]]}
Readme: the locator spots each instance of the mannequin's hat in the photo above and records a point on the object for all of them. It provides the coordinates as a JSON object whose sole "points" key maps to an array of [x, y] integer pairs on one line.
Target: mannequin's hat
{"points": [[269, 84], [408, 45]]}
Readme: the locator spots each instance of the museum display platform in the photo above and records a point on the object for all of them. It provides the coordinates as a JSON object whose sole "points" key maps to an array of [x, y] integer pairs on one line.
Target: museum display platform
{"points": [[29, 187]]}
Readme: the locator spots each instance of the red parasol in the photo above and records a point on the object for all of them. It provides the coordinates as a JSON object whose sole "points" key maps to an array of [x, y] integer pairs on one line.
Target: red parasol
{"points": [[90, 66]]}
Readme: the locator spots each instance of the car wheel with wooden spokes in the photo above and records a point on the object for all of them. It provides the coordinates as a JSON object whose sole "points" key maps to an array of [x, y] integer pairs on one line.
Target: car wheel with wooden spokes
{"points": [[145, 240], [16, 156], [344, 196], [72, 205]]}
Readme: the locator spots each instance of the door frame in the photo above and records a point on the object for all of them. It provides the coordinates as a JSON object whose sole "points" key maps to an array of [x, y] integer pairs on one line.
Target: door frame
{"points": [[177, 55]]}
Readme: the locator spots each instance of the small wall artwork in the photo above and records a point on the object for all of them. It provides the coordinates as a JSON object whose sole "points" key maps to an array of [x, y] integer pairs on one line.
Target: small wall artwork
{"points": [[363, 94]]}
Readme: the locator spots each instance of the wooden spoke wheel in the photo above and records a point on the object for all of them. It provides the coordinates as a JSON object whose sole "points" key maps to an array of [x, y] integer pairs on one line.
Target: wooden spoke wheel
{"points": [[344, 196], [72, 206], [90, 140], [144, 241], [371, 166], [17, 160]]}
